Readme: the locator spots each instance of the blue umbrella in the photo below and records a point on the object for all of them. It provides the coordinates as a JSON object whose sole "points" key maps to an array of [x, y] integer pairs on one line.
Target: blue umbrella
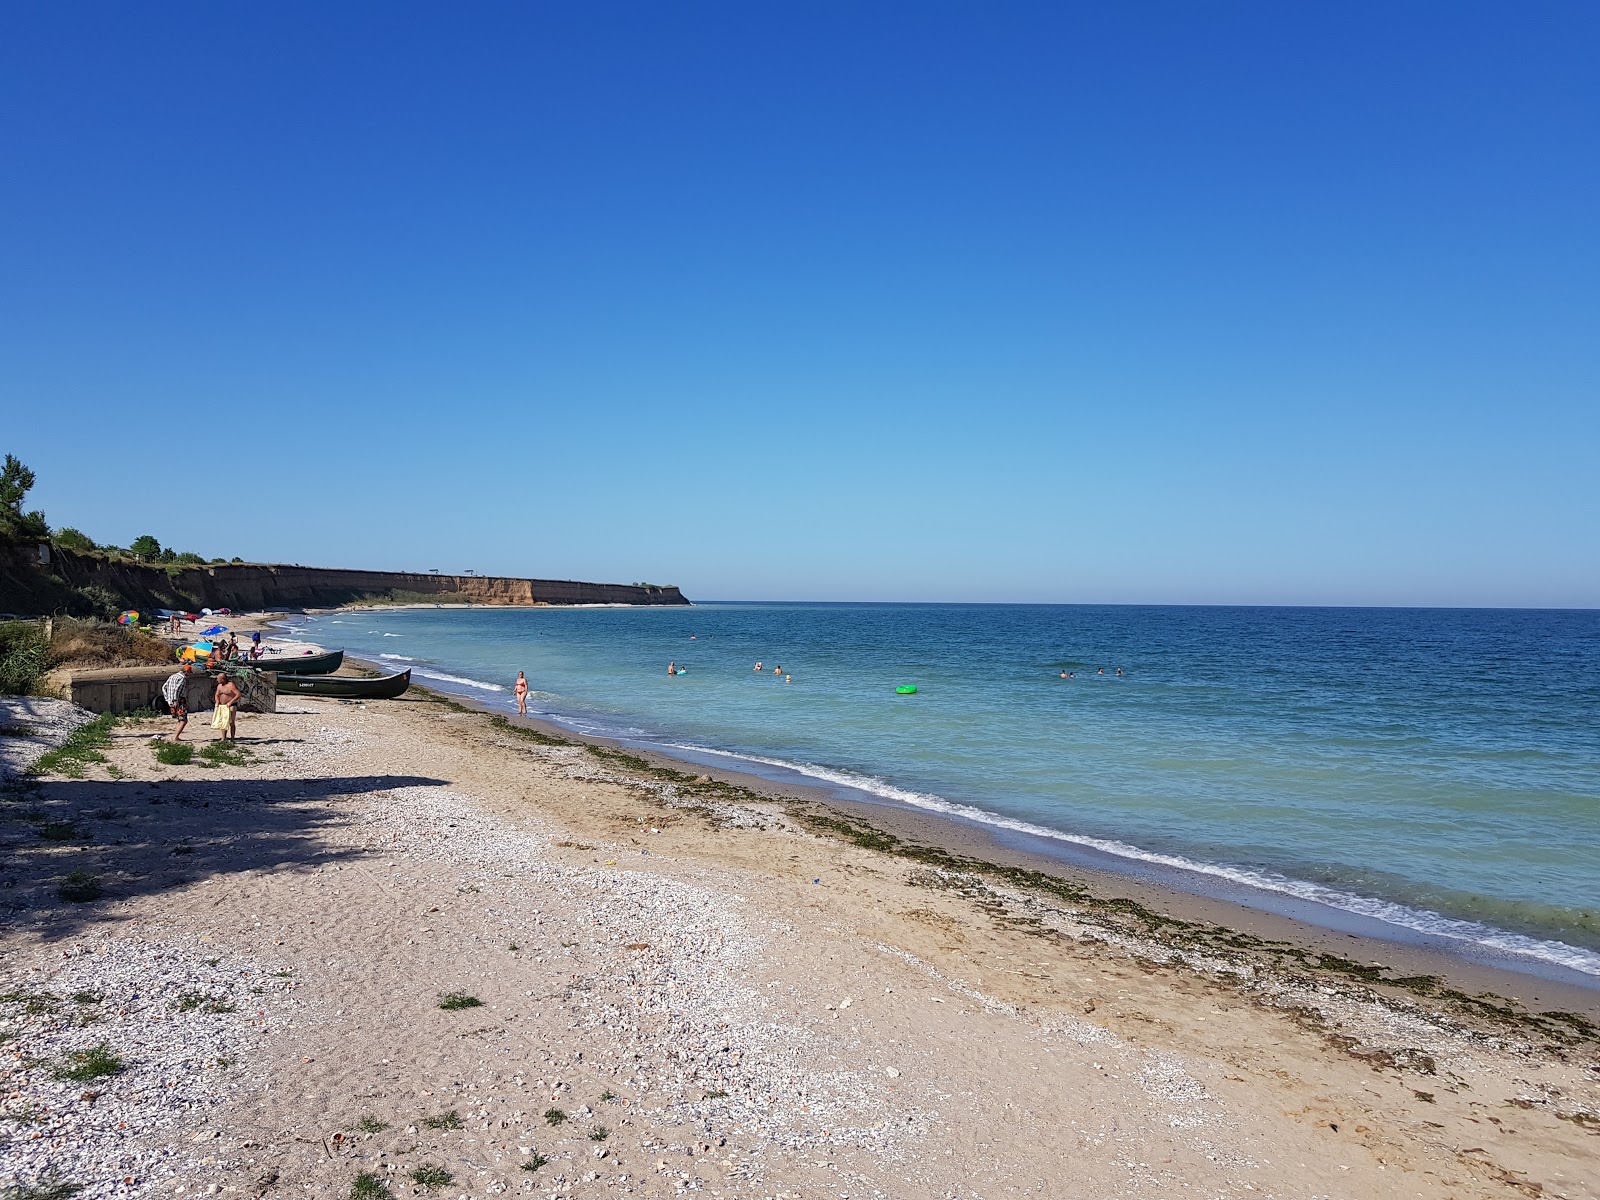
{"points": [[214, 629]]}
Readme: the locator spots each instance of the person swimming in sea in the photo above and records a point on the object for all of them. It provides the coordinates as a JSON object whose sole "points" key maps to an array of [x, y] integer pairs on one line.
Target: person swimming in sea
{"points": [[672, 668], [1119, 670], [758, 664], [777, 670], [1101, 671]]}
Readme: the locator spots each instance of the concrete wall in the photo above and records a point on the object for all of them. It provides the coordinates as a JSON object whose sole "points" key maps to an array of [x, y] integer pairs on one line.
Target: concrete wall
{"points": [[124, 689]]}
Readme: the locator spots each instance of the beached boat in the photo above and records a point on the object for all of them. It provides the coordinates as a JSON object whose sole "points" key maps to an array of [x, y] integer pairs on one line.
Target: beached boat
{"points": [[350, 687], [297, 664]]}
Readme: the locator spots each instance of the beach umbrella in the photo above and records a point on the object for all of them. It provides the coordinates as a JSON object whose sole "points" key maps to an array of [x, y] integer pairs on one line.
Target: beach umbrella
{"points": [[131, 617], [206, 611], [214, 629]]}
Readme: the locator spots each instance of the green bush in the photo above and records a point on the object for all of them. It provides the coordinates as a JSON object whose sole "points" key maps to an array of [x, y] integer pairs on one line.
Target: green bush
{"points": [[76, 540], [23, 654]]}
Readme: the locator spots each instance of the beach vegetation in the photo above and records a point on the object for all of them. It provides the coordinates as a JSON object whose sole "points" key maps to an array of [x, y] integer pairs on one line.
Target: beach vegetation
{"points": [[368, 1186], [145, 548], [173, 754], [223, 754], [445, 1120], [554, 1116], [451, 1001], [534, 1161], [371, 1124], [33, 1003], [23, 656], [85, 1066], [606, 1097], [80, 887], [63, 831], [599, 1133], [82, 747], [51, 1187], [191, 1001], [431, 1175]]}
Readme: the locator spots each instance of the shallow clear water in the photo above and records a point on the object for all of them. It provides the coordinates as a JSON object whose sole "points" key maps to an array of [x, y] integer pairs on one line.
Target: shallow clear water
{"points": [[1439, 769]]}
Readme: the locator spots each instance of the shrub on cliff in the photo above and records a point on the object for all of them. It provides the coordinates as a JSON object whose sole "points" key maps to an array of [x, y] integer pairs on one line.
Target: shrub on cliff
{"points": [[75, 540]]}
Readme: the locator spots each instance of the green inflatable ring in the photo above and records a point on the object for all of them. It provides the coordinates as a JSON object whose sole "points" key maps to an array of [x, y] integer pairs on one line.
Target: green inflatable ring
{"points": [[906, 689]]}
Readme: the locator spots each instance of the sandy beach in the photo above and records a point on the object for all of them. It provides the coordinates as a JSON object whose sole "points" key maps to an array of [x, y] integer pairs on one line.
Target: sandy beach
{"points": [[402, 941]]}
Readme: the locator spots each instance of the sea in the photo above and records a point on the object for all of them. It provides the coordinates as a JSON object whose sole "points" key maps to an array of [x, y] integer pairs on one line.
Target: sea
{"points": [[1423, 775]]}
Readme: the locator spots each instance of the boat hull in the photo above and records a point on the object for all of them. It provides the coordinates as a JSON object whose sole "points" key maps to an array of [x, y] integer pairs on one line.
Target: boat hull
{"points": [[305, 664], [348, 687]]}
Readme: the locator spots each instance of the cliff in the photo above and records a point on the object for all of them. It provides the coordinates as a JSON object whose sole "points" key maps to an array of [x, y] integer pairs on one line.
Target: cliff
{"points": [[28, 584]]}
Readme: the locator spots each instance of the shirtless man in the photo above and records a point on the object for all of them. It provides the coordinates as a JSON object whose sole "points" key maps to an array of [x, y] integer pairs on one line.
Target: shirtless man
{"points": [[228, 697], [521, 692]]}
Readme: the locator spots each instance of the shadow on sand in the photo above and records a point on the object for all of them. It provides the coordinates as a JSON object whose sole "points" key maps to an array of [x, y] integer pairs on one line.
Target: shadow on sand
{"points": [[130, 838]]}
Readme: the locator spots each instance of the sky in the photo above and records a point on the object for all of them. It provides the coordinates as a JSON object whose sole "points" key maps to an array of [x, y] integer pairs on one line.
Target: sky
{"points": [[1149, 302]]}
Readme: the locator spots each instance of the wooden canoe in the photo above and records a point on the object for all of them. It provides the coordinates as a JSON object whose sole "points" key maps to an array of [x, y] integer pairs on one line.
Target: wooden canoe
{"points": [[349, 687], [296, 664]]}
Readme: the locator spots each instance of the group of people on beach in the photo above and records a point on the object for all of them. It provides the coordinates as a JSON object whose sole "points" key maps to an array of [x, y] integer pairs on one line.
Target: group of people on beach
{"points": [[225, 714]]}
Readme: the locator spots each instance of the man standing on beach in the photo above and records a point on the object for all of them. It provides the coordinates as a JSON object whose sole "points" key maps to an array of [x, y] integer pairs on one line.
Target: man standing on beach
{"points": [[522, 694], [175, 691], [227, 716]]}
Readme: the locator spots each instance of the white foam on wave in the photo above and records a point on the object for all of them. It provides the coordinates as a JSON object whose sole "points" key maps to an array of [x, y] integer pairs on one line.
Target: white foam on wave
{"points": [[1418, 920], [392, 635], [472, 683], [398, 657]]}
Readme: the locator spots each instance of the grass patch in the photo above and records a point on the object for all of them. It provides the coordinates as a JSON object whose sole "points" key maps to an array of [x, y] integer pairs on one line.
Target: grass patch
{"points": [[85, 1066], [370, 1187], [451, 1001], [445, 1120], [431, 1175], [534, 1162], [190, 1001], [63, 831], [33, 1003], [607, 1097], [554, 1116], [599, 1133], [223, 754], [87, 997], [51, 1188], [173, 754], [80, 887], [371, 1124], [81, 748]]}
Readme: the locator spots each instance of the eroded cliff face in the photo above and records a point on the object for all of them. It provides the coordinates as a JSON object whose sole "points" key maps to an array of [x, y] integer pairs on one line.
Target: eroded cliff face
{"points": [[29, 585]]}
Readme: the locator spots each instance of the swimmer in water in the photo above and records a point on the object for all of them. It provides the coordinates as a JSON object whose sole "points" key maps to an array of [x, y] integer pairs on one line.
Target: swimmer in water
{"points": [[758, 664], [1063, 674], [777, 670], [788, 678], [1119, 670], [1101, 671], [672, 668]]}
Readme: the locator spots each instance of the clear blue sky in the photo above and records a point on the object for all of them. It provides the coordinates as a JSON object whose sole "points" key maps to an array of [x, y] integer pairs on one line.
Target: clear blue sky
{"points": [[1178, 302]]}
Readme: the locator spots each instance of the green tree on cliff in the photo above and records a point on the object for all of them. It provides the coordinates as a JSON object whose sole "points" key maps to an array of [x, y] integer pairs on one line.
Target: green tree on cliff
{"points": [[145, 548], [15, 525]]}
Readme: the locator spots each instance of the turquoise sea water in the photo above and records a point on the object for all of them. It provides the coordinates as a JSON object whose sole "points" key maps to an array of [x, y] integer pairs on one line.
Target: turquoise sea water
{"points": [[1435, 770]]}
